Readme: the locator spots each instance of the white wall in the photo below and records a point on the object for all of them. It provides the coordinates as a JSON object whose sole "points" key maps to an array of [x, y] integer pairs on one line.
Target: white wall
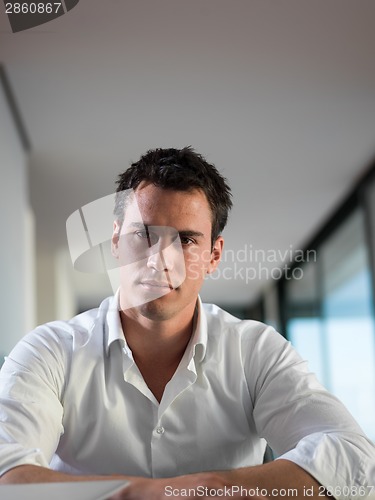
{"points": [[17, 278], [56, 297]]}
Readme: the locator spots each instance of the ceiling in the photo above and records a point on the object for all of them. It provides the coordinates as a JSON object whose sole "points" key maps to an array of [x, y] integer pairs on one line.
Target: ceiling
{"points": [[279, 95]]}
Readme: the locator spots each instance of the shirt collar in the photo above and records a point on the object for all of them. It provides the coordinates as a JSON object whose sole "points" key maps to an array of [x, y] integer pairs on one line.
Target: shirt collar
{"points": [[114, 326], [199, 338], [198, 343]]}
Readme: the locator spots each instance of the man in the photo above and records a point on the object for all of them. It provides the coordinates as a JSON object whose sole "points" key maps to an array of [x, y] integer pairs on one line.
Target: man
{"points": [[157, 387]]}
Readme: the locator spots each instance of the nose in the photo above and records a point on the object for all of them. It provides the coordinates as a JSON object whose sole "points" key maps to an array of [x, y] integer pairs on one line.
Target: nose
{"points": [[162, 257]]}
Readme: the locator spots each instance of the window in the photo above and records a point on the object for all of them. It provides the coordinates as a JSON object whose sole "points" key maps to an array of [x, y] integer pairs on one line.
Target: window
{"points": [[330, 319]]}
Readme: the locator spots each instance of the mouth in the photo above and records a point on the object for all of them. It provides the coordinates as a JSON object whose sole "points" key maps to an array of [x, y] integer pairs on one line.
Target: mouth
{"points": [[156, 285]]}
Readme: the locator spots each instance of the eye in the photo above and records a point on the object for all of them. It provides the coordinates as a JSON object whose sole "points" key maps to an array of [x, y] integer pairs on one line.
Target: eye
{"points": [[148, 236], [142, 234], [186, 241]]}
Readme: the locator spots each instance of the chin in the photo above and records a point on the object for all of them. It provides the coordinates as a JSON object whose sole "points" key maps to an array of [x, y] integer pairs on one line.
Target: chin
{"points": [[136, 298], [155, 311]]}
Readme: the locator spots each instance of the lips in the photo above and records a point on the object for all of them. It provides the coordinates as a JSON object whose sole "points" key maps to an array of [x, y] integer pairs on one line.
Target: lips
{"points": [[156, 284]]}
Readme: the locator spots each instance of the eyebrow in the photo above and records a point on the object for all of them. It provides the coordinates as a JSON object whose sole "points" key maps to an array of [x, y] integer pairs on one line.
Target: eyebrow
{"points": [[139, 225], [191, 234]]}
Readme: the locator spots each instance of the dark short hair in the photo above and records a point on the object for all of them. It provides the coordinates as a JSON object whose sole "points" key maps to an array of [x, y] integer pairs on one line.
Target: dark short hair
{"points": [[179, 170]]}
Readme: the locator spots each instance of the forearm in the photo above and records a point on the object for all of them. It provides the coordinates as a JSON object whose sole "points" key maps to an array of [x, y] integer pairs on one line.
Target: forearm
{"points": [[36, 474], [280, 478]]}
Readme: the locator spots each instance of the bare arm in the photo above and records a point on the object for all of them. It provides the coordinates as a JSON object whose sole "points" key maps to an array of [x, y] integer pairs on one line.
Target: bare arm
{"points": [[280, 478], [24, 474]]}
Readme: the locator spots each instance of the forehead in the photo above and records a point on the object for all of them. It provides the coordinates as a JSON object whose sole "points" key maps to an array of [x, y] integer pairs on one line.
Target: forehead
{"points": [[150, 203]]}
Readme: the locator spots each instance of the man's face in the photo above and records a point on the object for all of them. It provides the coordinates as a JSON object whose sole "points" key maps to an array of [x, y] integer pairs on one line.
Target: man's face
{"points": [[164, 251]]}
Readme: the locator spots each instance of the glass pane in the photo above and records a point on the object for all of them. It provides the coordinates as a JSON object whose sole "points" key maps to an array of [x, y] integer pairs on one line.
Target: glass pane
{"points": [[330, 319], [271, 307], [348, 320], [306, 335]]}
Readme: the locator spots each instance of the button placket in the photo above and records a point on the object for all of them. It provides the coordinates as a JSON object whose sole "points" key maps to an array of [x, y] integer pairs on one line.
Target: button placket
{"points": [[157, 448]]}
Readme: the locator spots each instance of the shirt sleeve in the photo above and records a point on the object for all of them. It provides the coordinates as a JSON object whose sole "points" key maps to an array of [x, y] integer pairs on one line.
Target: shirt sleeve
{"points": [[304, 423], [31, 391]]}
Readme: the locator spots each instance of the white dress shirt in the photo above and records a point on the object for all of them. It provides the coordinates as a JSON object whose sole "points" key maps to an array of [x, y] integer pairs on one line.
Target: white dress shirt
{"points": [[72, 398]]}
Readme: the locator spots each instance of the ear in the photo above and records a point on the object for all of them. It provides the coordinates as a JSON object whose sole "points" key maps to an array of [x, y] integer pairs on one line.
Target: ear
{"points": [[115, 239], [216, 254]]}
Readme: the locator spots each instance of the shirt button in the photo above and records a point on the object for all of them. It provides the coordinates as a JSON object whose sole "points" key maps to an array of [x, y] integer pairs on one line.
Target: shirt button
{"points": [[160, 430]]}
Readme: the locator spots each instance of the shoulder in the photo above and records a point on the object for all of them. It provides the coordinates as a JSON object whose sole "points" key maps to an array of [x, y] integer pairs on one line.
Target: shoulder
{"points": [[253, 338], [60, 337], [221, 322]]}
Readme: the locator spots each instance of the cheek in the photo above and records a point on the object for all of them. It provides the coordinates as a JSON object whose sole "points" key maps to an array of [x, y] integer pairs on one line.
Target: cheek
{"points": [[196, 263]]}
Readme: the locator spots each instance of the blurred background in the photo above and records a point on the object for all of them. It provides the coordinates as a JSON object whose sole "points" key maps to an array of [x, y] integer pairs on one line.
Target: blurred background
{"points": [[280, 96]]}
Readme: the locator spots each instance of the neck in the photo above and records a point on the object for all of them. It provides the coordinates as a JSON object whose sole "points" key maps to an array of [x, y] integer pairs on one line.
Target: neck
{"points": [[151, 339]]}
